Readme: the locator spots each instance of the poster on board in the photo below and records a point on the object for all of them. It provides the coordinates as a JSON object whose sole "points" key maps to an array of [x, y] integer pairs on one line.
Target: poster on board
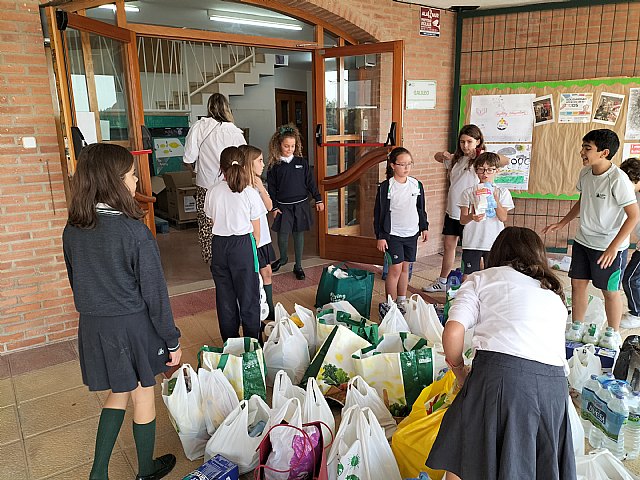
{"points": [[514, 175], [632, 131], [630, 150], [543, 110], [504, 118], [609, 108], [575, 107]]}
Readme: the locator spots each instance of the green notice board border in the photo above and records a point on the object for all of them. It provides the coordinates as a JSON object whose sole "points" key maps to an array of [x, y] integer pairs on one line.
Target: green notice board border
{"points": [[465, 89]]}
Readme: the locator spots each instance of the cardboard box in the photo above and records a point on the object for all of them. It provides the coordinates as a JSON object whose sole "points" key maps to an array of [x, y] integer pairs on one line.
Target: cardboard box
{"points": [[218, 468], [181, 196]]}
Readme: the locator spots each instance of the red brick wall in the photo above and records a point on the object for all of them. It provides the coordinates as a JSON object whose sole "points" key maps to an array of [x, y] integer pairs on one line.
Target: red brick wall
{"points": [[562, 44], [35, 299]]}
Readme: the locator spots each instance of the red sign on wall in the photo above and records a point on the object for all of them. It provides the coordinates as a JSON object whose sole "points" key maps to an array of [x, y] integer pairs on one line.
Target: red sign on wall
{"points": [[430, 21]]}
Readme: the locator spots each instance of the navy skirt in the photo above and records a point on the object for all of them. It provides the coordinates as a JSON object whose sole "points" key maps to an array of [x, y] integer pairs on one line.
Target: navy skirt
{"points": [[509, 421], [117, 353], [294, 218]]}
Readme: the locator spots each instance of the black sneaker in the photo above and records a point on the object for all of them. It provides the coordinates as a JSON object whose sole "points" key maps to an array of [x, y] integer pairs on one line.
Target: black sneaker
{"points": [[165, 465], [299, 273], [383, 309], [275, 266]]}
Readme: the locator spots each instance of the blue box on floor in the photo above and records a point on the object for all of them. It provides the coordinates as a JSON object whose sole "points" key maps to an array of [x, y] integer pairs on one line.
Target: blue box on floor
{"points": [[162, 226], [218, 468], [607, 357]]}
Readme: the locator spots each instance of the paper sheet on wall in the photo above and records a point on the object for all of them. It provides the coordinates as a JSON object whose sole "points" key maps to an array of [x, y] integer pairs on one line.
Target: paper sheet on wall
{"points": [[630, 150], [609, 108], [168, 147], [633, 115], [503, 118], [543, 110], [87, 125], [514, 175], [575, 107]]}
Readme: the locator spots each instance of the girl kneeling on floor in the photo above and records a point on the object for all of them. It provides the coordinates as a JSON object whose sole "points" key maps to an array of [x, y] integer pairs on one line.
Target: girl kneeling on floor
{"points": [[126, 332], [235, 211]]}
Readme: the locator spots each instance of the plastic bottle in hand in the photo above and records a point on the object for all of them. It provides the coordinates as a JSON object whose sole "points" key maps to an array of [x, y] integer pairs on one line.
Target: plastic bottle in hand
{"points": [[591, 335], [491, 201], [632, 428]]}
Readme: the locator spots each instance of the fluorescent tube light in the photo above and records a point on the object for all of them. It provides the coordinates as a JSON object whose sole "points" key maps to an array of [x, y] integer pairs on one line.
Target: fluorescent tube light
{"points": [[255, 23], [127, 8]]}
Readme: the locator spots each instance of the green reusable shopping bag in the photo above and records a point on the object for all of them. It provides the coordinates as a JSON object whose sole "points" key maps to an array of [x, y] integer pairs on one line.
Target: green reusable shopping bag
{"points": [[356, 288], [242, 363], [362, 327]]}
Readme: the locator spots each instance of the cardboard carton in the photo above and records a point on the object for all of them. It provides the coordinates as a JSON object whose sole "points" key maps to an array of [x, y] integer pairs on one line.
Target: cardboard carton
{"points": [[181, 196]]}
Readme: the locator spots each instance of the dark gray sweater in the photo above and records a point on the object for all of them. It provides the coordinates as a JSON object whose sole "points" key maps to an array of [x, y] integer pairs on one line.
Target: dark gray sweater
{"points": [[114, 269]]}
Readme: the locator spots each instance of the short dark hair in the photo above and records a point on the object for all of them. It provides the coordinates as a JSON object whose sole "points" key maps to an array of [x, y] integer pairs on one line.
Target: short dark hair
{"points": [[523, 250], [487, 158], [631, 166], [604, 138]]}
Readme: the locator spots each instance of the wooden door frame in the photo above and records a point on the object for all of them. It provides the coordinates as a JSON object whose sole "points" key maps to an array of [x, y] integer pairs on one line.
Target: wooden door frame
{"points": [[354, 248], [299, 93]]}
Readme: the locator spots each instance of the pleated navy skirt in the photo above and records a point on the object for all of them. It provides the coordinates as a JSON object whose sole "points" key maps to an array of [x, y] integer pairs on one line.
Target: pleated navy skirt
{"points": [[509, 421]]}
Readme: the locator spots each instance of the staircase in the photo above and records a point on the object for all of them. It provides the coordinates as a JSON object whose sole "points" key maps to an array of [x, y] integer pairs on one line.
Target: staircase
{"points": [[177, 74]]}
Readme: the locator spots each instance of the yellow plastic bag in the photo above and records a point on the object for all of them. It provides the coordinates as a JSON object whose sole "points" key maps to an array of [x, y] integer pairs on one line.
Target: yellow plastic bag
{"points": [[412, 441]]}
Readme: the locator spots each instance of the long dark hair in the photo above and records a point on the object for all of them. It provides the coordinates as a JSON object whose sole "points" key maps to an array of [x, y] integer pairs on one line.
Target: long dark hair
{"points": [[522, 249], [471, 131], [219, 109], [99, 178], [237, 171], [393, 157]]}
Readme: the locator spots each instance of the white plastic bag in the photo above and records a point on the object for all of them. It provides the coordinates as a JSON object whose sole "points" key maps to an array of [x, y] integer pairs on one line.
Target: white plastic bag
{"points": [[423, 320], [218, 396], [308, 328], [185, 410], [360, 447], [286, 349], [283, 390], [232, 439], [362, 394], [577, 430], [393, 321], [601, 465], [316, 409], [582, 365]]}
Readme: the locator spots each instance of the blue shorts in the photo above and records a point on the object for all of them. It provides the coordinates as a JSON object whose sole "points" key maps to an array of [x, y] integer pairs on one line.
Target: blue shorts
{"points": [[402, 249], [471, 260], [584, 266]]}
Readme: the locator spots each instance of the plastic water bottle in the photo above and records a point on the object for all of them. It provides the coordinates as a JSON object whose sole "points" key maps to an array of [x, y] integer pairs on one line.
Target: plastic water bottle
{"points": [[575, 332], [591, 335], [632, 428], [594, 385], [596, 436], [607, 340], [618, 406], [453, 284]]}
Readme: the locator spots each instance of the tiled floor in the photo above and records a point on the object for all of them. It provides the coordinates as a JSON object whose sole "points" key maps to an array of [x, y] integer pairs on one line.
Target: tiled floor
{"points": [[48, 419]]}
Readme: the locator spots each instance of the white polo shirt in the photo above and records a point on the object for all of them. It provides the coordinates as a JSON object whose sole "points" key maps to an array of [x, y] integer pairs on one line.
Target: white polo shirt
{"points": [[512, 314], [481, 235], [403, 198], [231, 212], [265, 235], [205, 141], [460, 178], [602, 201]]}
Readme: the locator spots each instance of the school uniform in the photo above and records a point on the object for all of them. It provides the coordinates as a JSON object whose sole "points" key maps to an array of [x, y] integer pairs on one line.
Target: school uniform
{"points": [[461, 176], [511, 418], [631, 277], [399, 216], [602, 201], [478, 237], [126, 328], [234, 262], [289, 184], [266, 254]]}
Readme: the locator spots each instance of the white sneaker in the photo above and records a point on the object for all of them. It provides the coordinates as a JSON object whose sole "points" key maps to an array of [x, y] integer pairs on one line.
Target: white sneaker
{"points": [[617, 339], [436, 287], [630, 321]]}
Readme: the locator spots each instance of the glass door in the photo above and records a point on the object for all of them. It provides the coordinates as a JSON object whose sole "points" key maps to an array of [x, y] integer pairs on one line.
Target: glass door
{"points": [[98, 82], [358, 111]]}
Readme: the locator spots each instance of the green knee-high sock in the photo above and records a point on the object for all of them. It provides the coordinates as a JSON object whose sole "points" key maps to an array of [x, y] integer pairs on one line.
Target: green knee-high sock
{"points": [[268, 290], [298, 245], [145, 437], [283, 246], [108, 429]]}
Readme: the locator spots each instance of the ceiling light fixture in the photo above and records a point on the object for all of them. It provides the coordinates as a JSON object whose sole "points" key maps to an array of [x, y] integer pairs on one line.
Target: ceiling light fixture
{"points": [[255, 23], [127, 8]]}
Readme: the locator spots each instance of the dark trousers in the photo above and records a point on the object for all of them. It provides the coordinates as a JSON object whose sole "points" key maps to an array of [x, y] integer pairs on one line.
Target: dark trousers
{"points": [[234, 271], [631, 283]]}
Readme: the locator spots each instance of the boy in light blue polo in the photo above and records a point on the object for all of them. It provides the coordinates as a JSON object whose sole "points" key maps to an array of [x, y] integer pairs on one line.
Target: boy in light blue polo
{"points": [[608, 214]]}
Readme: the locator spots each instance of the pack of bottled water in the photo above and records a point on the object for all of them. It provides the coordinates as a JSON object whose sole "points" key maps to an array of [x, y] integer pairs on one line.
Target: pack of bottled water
{"points": [[613, 412]]}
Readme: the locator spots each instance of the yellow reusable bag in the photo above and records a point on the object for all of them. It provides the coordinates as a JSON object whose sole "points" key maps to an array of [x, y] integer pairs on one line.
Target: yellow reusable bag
{"points": [[412, 441]]}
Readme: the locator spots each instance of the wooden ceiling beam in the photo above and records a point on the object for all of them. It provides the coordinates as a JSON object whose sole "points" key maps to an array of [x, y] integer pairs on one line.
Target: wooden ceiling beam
{"points": [[75, 5]]}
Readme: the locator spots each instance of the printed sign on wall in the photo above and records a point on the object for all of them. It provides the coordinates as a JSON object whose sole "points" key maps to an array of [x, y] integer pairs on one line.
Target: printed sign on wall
{"points": [[430, 21]]}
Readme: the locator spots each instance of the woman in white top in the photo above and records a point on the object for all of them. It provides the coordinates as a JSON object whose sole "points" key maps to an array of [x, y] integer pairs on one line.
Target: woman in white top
{"points": [[510, 420], [462, 175], [205, 140]]}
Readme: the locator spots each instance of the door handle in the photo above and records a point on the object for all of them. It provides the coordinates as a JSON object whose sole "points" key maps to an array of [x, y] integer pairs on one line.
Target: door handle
{"points": [[319, 134]]}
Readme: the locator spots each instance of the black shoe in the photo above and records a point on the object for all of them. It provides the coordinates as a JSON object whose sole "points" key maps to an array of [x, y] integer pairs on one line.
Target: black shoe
{"points": [[167, 462], [299, 273], [275, 266]]}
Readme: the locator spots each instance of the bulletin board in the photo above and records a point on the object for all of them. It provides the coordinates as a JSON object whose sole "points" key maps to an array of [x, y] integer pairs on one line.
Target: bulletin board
{"points": [[555, 149]]}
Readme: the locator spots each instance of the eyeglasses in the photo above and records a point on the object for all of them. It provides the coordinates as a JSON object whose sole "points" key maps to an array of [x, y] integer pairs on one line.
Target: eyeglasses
{"points": [[486, 170], [403, 165]]}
